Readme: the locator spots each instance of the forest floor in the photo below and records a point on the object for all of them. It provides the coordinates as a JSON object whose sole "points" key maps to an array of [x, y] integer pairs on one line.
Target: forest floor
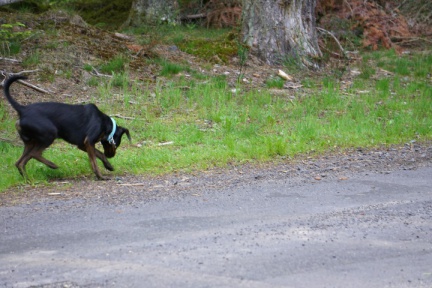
{"points": [[61, 46]]}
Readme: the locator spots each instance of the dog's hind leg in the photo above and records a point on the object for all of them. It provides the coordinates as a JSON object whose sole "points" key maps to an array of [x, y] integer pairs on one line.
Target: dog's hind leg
{"points": [[25, 157], [33, 149], [37, 136], [37, 154]]}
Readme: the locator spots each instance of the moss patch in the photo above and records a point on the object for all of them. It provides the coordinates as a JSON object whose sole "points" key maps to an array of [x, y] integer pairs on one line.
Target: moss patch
{"points": [[107, 14], [215, 50]]}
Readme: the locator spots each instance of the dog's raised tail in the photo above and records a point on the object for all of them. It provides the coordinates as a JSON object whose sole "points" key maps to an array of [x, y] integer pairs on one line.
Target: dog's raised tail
{"points": [[6, 86]]}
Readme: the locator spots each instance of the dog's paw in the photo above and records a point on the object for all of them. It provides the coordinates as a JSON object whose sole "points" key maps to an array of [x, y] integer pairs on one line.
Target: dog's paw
{"points": [[103, 178], [108, 166]]}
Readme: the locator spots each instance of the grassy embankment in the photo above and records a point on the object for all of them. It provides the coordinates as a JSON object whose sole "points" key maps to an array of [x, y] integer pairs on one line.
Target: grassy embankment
{"points": [[205, 124]]}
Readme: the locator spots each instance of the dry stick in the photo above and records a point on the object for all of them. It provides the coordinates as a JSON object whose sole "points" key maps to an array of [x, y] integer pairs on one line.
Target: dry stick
{"points": [[334, 37], [331, 52], [419, 10], [128, 118], [349, 6], [410, 39], [99, 74], [123, 117], [6, 75], [398, 7], [25, 72], [10, 60], [25, 83], [195, 16]]}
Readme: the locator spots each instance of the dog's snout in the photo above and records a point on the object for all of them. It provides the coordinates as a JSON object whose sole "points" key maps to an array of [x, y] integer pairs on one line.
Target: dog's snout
{"points": [[110, 151]]}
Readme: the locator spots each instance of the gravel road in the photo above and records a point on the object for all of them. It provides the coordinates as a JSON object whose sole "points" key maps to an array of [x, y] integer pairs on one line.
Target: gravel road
{"points": [[357, 219]]}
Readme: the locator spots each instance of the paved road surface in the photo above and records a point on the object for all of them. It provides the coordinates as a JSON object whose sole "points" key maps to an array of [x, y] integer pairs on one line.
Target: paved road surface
{"points": [[367, 231]]}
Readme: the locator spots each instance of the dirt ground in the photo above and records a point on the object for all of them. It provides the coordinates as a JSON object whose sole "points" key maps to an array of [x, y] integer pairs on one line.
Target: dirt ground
{"points": [[75, 44], [126, 190]]}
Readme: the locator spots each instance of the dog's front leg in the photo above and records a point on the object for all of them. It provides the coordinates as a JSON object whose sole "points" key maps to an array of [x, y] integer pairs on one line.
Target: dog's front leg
{"points": [[91, 151], [104, 160], [101, 157]]}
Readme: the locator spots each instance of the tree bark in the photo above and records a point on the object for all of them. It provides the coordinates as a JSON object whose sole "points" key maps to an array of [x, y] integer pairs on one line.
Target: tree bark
{"points": [[7, 2], [152, 12], [276, 30]]}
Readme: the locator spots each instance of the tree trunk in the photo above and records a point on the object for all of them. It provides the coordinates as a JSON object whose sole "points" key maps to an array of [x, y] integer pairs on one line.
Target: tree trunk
{"points": [[6, 2], [277, 30], [152, 12]]}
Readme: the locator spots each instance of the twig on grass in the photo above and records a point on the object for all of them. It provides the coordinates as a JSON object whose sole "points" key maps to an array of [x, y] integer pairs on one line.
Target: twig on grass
{"points": [[10, 60], [96, 73], [25, 83], [124, 117], [336, 40], [6, 75]]}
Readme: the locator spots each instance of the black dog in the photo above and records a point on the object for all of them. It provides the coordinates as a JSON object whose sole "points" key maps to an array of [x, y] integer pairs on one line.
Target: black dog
{"points": [[40, 124]]}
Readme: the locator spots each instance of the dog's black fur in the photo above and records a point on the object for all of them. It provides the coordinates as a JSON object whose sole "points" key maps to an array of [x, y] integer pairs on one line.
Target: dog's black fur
{"points": [[40, 124]]}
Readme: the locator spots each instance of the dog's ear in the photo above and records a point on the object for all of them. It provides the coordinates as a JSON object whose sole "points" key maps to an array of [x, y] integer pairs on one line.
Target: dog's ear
{"points": [[124, 130]]}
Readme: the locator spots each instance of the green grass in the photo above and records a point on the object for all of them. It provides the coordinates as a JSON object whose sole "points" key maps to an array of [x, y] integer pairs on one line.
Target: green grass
{"points": [[210, 126], [169, 69], [117, 64], [275, 82], [174, 35], [32, 60]]}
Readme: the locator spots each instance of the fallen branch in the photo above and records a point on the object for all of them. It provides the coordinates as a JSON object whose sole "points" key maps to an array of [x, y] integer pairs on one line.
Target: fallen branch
{"points": [[96, 73], [9, 74], [400, 5], [336, 40], [284, 76], [25, 83], [409, 39], [194, 16], [349, 7], [10, 60], [123, 117], [291, 85], [123, 36], [24, 72], [337, 55], [386, 72], [166, 143]]}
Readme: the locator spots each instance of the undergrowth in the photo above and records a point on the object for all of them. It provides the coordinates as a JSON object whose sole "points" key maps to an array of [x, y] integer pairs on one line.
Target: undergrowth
{"points": [[191, 123]]}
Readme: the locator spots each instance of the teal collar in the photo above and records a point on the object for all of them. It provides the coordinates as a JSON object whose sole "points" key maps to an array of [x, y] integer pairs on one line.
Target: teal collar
{"points": [[110, 136]]}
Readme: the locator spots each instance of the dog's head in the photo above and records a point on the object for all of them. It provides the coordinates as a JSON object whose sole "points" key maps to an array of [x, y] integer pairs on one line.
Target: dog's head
{"points": [[110, 148]]}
